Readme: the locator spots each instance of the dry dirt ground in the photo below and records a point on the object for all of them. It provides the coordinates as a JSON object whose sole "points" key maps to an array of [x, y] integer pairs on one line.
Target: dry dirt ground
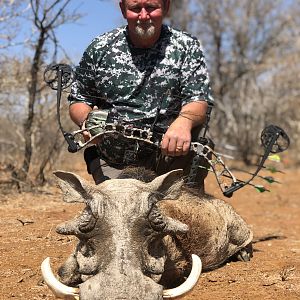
{"points": [[27, 235]]}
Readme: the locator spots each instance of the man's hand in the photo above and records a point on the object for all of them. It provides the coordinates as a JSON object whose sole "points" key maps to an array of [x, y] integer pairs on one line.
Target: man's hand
{"points": [[79, 113], [86, 135], [177, 139]]}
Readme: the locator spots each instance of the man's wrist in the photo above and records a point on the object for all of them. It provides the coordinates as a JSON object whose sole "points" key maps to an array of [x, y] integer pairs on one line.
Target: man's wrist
{"points": [[81, 124], [188, 119], [185, 122]]}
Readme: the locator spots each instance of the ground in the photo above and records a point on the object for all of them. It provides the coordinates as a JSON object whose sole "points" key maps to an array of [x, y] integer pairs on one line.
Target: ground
{"points": [[27, 233]]}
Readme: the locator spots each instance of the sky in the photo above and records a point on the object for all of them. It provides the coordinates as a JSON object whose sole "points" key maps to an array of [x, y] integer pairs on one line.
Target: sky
{"points": [[99, 17]]}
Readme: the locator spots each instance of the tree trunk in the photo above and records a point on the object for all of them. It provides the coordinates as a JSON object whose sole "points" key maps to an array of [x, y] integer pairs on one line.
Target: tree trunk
{"points": [[32, 93], [53, 151]]}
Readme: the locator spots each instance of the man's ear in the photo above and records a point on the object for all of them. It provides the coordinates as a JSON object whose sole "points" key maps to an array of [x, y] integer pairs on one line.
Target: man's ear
{"points": [[166, 7], [123, 8]]}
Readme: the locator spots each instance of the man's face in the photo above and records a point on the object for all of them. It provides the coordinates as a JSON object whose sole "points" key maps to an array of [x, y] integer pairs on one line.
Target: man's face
{"points": [[144, 17]]}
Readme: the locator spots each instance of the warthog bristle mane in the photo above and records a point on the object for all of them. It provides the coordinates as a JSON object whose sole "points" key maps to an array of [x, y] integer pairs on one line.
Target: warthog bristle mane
{"points": [[138, 173]]}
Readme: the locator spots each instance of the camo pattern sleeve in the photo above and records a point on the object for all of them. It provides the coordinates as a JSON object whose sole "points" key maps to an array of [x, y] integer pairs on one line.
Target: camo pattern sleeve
{"points": [[141, 83], [84, 89], [194, 81]]}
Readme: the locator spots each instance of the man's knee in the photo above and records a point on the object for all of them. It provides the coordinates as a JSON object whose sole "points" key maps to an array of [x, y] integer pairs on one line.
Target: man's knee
{"points": [[92, 159]]}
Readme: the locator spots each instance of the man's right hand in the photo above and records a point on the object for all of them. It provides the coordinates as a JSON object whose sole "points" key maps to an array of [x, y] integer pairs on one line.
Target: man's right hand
{"points": [[86, 134], [79, 113]]}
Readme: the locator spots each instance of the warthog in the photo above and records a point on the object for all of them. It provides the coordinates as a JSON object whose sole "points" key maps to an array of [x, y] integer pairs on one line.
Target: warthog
{"points": [[139, 240]]}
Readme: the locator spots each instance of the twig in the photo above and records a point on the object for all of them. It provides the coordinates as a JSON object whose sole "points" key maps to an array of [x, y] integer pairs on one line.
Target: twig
{"points": [[25, 222]]}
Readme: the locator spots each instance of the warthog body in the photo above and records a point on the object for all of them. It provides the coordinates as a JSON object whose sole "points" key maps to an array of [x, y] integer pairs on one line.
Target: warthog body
{"points": [[136, 238]]}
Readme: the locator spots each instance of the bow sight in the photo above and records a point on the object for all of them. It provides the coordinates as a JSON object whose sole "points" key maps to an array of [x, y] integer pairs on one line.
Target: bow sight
{"points": [[273, 138], [60, 77]]}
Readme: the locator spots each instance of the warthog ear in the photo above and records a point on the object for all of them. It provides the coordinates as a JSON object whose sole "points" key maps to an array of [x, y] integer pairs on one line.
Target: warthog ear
{"points": [[74, 188], [168, 185]]}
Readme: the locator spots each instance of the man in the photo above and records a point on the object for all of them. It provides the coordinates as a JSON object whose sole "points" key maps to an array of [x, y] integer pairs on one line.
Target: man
{"points": [[147, 73]]}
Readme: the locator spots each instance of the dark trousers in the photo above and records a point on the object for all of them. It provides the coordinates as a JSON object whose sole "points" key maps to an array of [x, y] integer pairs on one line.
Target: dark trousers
{"points": [[156, 162]]}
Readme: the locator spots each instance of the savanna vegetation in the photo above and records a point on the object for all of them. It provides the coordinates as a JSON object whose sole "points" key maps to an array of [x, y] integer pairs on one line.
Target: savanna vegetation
{"points": [[253, 53]]}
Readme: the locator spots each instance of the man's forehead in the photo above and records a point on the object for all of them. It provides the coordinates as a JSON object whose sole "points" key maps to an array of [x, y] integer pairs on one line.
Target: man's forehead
{"points": [[135, 2]]}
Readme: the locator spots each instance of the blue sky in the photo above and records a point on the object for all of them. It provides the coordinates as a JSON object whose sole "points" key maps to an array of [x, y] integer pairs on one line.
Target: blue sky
{"points": [[99, 17]]}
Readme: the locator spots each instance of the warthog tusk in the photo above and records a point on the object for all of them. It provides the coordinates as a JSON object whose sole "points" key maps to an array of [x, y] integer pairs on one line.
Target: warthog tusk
{"points": [[59, 290], [190, 282]]}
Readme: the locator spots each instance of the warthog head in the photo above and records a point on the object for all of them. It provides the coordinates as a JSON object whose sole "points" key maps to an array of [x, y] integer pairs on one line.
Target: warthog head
{"points": [[120, 254]]}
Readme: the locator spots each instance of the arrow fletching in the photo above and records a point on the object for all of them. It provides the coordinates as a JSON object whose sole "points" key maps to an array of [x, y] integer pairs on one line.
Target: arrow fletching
{"points": [[274, 157], [272, 169], [261, 189], [270, 179]]}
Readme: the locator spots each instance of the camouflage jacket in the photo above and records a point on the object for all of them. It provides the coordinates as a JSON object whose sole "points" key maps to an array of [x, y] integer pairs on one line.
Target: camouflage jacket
{"points": [[140, 82]]}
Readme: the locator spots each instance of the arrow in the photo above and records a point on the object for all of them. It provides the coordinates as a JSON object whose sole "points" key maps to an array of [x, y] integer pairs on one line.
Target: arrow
{"points": [[259, 188], [273, 169], [269, 179]]}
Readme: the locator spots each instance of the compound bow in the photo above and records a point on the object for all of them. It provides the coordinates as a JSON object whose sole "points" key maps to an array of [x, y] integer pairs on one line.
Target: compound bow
{"points": [[273, 138]]}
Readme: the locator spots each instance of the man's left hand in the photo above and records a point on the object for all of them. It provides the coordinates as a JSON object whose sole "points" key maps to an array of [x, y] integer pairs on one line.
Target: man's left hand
{"points": [[177, 139]]}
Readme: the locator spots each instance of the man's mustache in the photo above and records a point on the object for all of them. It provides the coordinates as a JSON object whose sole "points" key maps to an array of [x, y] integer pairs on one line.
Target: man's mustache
{"points": [[148, 22]]}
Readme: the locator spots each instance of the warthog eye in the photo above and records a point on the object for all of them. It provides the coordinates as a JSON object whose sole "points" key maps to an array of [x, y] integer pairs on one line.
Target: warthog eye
{"points": [[87, 225], [157, 221]]}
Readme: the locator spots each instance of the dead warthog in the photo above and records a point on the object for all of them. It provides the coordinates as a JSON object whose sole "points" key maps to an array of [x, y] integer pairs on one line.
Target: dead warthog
{"points": [[139, 240]]}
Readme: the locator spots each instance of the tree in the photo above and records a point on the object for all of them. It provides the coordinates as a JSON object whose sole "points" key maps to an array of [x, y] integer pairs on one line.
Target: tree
{"points": [[9, 27], [47, 16], [246, 45], [179, 15]]}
